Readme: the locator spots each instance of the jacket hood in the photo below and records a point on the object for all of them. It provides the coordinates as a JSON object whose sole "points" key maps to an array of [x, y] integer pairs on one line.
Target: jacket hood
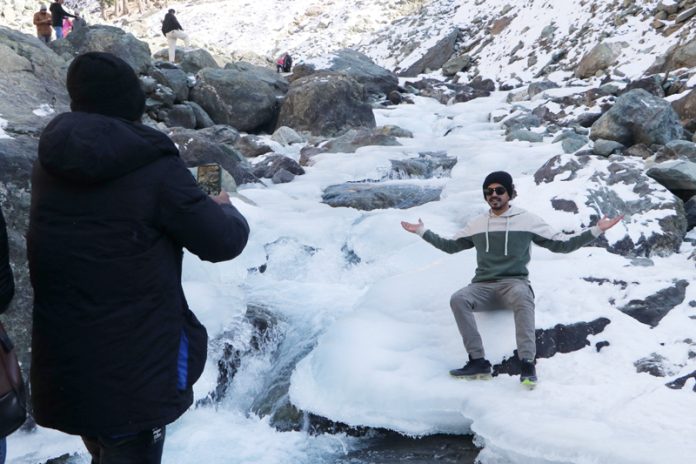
{"points": [[512, 211], [90, 148]]}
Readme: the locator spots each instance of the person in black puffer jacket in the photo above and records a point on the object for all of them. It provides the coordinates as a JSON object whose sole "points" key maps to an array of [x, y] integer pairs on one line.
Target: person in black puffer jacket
{"points": [[115, 348]]}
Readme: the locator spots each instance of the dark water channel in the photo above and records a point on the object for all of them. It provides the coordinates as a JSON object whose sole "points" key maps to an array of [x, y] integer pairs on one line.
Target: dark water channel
{"points": [[393, 448]]}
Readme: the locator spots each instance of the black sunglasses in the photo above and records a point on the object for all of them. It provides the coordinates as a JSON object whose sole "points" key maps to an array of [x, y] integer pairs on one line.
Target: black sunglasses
{"points": [[498, 191]]}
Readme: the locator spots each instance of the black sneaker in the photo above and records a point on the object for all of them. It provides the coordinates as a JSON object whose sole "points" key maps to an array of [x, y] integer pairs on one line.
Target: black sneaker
{"points": [[528, 376], [475, 369]]}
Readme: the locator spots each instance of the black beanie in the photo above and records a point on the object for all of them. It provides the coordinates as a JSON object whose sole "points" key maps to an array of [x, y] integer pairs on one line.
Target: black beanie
{"points": [[103, 83], [502, 178]]}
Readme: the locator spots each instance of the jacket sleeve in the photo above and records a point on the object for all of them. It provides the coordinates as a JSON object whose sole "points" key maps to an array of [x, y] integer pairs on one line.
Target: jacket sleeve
{"points": [[7, 287], [558, 242], [211, 231], [447, 245]]}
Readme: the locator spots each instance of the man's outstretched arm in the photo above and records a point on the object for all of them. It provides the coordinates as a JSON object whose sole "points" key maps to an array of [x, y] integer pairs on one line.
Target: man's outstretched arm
{"points": [[444, 244]]}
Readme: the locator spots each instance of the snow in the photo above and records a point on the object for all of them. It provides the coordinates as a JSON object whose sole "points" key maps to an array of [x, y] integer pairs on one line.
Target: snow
{"points": [[3, 134], [376, 339]]}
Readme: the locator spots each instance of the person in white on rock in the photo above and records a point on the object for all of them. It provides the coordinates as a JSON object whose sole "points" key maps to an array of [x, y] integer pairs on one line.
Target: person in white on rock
{"points": [[172, 30]]}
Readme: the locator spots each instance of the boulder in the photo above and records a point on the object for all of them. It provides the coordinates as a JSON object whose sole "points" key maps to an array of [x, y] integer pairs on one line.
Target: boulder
{"points": [[432, 58], [270, 166], [524, 135], [17, 156], [106, 39], [638, 117], [326, 104], [202, 119], [196, 149], [599, 58], [677, 175], [654, 307], [286, 136], [368, 196], [190, 61], [179, 116], [426, 166], [536, 88], [356, 138], [236, 98], [173, 77], [690, 208], [677, 56], [274, 80], [32, 87], [456, 64], [654, 222], [686, 106], [677, 149], [358, 66], [606, 147]]}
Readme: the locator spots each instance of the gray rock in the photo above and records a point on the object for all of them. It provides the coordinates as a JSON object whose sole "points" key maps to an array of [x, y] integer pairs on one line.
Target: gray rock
{"points": [[433, 58], [202, 118], [236, 98], [180, 116], [675, 175], [427, 165], [172, 77], [640, 150], [536, 88], [456, 64], [573, 143], [252, 146], [524, 135], [638, 117], [274, 163], [655, 365], [677, 149], [677, 56], [356, 138], [274, 80], [599, 58], [606, 147], [369, 196], [33, 77], [17, 156], [219, 133], [108, 39], [686, 106], [394, 131], [190, 61], [196, 149], [326, 104], [603, 184], [651, 84], [652, 309], [587, 119], [522, 121], [286, 136], [283, 176], [690, 208], [358, 66]]}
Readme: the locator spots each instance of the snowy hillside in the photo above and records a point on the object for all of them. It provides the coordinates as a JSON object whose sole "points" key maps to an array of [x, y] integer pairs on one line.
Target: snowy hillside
{"points": [[355, 326]]}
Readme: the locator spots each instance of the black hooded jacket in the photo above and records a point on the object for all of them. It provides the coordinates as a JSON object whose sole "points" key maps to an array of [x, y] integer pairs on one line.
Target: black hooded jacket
{"points": [[115, 347], [170, 23]]}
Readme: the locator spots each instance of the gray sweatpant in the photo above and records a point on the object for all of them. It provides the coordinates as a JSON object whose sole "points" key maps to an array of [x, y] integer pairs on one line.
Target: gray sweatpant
{"points": [[515, 294]]}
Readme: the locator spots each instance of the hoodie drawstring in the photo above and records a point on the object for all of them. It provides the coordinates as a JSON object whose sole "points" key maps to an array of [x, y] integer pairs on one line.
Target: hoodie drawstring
{"points": [[488, 224], [507, 228]]}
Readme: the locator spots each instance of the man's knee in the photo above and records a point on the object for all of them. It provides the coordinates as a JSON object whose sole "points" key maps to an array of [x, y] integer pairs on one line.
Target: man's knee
{"points": [[461, 300]]}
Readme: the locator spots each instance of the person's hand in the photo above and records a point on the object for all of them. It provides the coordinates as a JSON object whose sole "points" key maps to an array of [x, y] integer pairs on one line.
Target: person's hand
{"points": [[607, 223], [413, 228], [223, 198]]}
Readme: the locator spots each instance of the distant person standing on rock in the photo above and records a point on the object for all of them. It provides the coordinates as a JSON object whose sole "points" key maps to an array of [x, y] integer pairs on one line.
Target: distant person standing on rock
{"points": [[57, 16], [42, 21], [172, 30]]}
